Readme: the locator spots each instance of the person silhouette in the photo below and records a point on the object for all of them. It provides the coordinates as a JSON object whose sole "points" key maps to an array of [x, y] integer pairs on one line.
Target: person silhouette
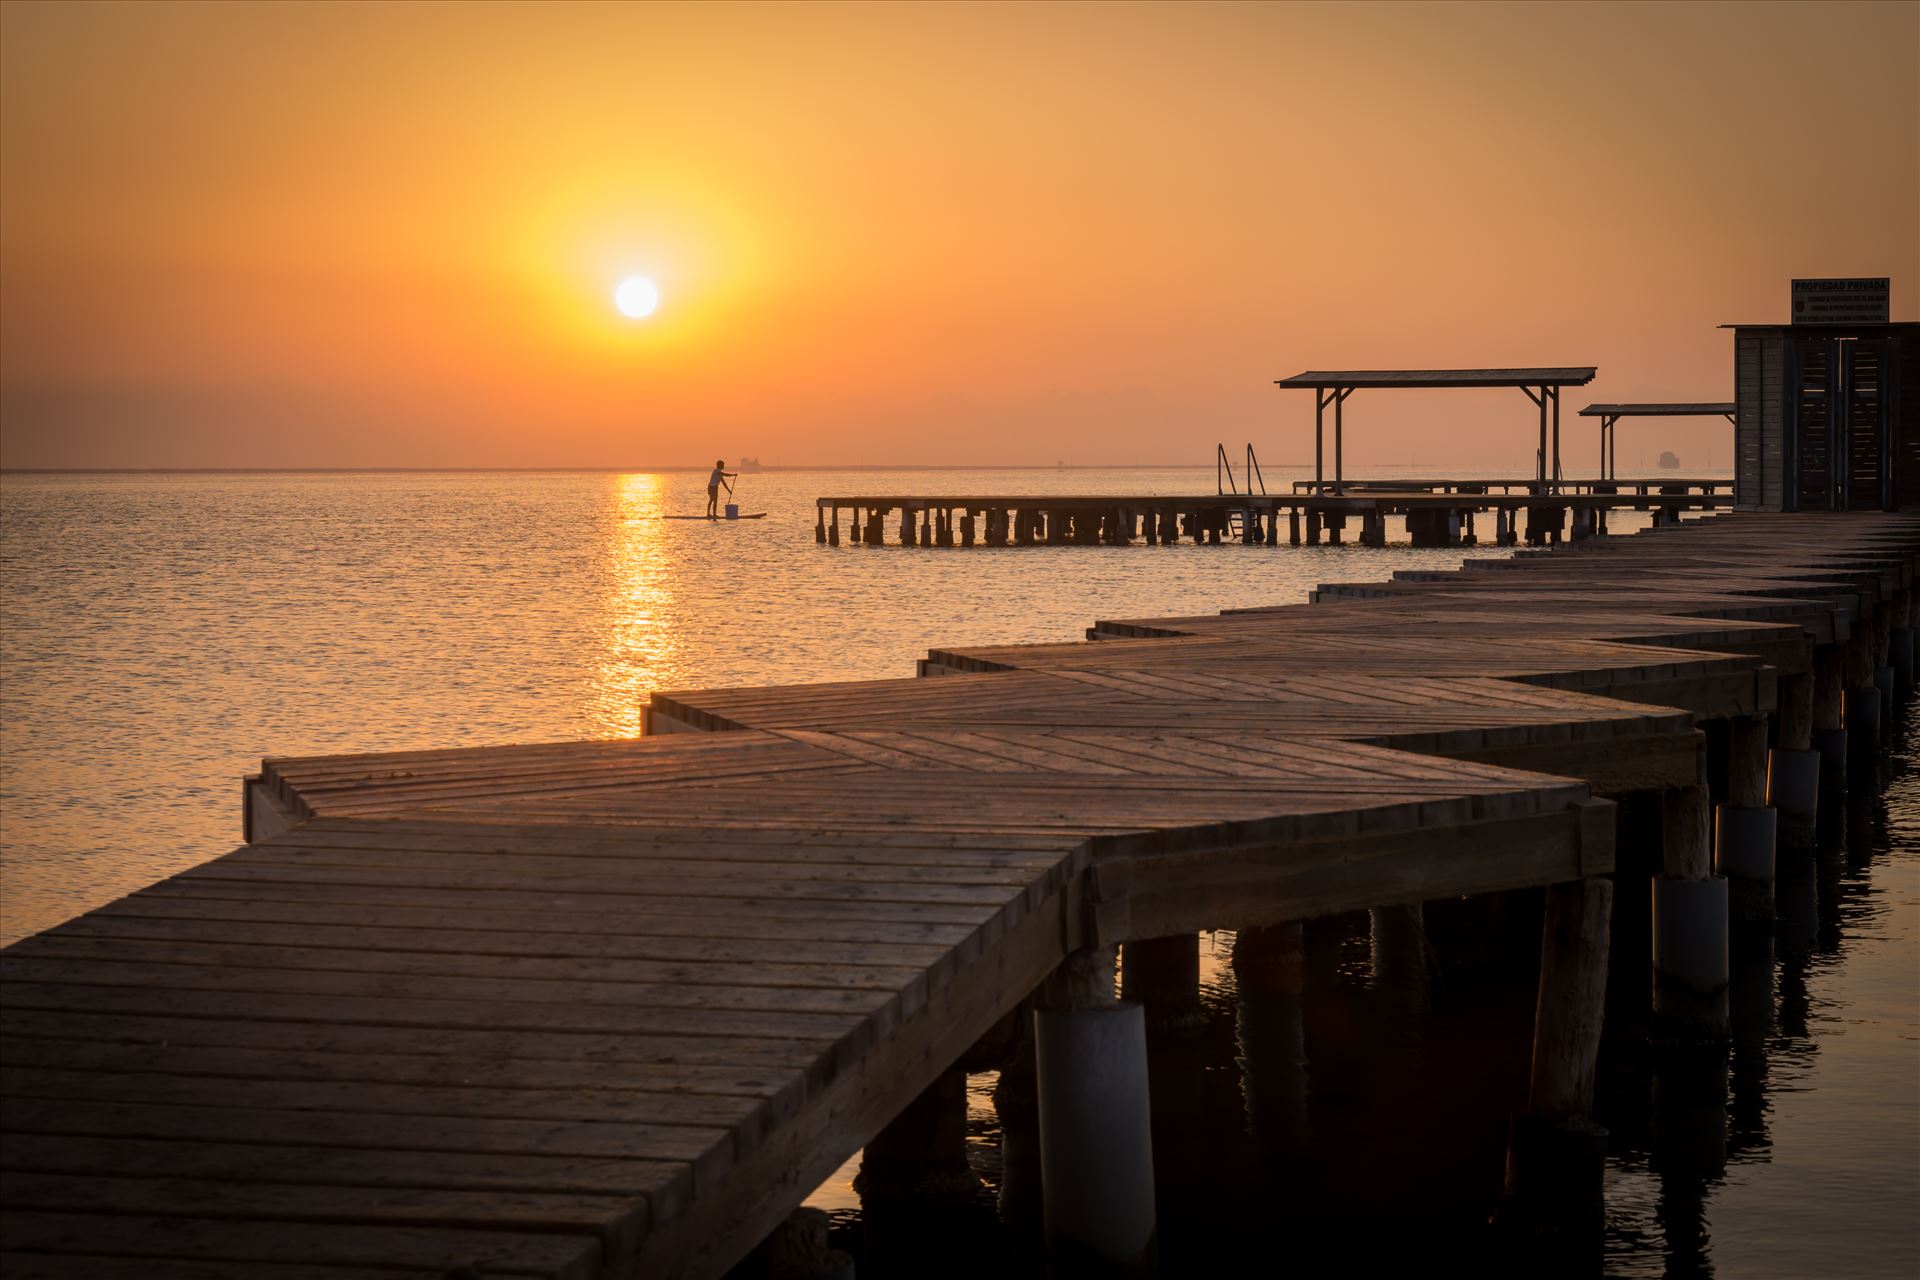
{"points": [[719, 477]]}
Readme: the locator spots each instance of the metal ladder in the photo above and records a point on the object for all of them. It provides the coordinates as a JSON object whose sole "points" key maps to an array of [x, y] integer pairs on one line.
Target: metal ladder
{"points": [[1225, 482]]}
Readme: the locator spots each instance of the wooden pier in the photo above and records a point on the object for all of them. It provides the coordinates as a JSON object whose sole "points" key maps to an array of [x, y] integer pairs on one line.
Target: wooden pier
{"points": [[1438, 513], [615, 1008]]}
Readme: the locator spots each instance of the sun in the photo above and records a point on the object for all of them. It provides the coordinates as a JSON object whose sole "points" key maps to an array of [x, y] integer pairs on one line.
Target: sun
{"points": [[636, 297]]}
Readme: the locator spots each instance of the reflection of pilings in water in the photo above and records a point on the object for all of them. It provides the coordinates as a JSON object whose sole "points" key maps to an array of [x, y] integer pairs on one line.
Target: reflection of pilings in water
{"points": [[1188, 1109], [1163, 976], [1342, 1102], [1796, 934], [1863, 811], [1689, 1148], [1398, 945], [1750, 998], [1269, 969], [1831, 870]]}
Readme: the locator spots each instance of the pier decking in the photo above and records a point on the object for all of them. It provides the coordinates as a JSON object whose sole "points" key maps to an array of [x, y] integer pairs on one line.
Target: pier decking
{"points": [[615, 1008]]}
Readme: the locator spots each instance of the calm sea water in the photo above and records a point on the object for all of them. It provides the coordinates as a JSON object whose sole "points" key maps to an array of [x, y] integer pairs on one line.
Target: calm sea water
{"points": [[159, 634]]}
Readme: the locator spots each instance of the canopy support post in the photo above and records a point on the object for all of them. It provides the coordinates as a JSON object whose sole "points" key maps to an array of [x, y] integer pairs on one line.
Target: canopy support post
{"points": [[1554, 392], [1340, 395], [1540, 454]]}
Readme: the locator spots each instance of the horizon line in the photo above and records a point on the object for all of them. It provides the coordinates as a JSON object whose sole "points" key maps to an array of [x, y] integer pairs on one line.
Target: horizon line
{"points": [[697, 467]]}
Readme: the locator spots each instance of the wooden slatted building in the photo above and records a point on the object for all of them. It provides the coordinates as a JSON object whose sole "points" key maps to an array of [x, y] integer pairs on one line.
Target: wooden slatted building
{"points": [[1828, 414]]}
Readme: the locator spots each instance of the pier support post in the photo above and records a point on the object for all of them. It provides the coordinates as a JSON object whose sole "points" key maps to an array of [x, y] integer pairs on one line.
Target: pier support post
{"points": [[819, 523], [1162, 975], [1273, 528], [1096, 1134], [833, 530], [1544, 525], [1293, 525], [1829, 727], [1862, 700], [1373, 528], [1883, 674], [1745, 827], [921, 1155], [1793, 767], [909, 528], [1313, 528], [1690, 957], [1336, 523], [1900, 641], [1556, 1154]]}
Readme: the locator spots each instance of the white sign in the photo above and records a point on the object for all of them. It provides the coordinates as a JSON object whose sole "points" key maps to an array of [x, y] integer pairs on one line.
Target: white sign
{"points": [[1861, 301]]}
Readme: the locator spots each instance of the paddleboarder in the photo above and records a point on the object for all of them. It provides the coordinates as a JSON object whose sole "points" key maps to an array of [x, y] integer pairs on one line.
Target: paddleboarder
{"points": [[719, 477]]}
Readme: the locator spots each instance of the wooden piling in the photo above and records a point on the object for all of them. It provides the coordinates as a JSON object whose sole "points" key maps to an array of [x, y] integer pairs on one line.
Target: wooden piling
{"points": [[1796, 711], [1556, 1155], [921, 1155], [1686, 851], [1747, 763], [1572, 998]]}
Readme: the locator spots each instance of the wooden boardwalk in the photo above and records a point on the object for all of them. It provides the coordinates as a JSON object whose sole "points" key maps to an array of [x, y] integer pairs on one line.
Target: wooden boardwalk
{"points": [[615, 1008]]}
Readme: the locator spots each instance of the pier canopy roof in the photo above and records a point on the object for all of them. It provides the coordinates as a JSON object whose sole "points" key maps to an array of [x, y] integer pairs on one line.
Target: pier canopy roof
{"points": [[1410, 378], [1541, 385], [1610, 414]]}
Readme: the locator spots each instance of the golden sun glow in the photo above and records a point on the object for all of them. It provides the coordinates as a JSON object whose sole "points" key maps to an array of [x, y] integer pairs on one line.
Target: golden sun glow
{"points": [[636, 297]]}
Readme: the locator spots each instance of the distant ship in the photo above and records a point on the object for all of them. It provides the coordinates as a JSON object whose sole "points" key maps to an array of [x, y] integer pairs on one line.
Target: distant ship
{"points": [[747, 466], [1669, 461]]}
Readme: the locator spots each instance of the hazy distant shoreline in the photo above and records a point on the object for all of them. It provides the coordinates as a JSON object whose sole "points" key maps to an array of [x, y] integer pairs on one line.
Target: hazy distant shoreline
{"points": [[369, 471]]}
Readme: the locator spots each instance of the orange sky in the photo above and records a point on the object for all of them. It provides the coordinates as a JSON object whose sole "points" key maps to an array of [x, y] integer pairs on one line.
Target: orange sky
{"points": [[341, 235]]}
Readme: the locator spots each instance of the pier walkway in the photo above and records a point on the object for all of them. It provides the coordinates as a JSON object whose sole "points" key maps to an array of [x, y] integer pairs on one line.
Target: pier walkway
{"points": [[615, 1008]]}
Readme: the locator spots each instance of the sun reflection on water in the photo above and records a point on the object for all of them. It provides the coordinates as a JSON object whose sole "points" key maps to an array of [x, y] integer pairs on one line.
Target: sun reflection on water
{"points": [[638, 649]]}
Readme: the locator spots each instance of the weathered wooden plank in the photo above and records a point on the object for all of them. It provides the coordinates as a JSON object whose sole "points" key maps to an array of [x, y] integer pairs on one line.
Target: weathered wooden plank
{"points": [[619, 1224], [215, 1240]]}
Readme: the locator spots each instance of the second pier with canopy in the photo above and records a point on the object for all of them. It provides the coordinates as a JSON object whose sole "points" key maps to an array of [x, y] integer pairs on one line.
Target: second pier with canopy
{"points": [[1610, 414], [1541, 385]]}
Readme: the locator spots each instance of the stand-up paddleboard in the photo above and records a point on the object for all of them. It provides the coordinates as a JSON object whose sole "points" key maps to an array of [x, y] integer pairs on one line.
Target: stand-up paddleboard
{"points": [[731, 510]]}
